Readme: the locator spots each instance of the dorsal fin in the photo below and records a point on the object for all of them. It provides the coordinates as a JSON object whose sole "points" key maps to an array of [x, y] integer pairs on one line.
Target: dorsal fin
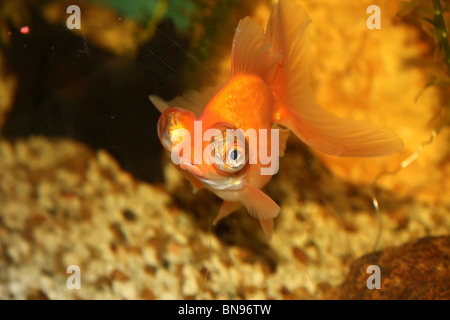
{"points": [[252, 53]]}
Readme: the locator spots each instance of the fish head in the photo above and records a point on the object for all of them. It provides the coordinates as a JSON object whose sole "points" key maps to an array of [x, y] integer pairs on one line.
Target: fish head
{"points": [[220, 160], [225, 158]]}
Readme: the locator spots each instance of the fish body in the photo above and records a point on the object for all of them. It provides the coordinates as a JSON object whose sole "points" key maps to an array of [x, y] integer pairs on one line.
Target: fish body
{"points": [[231, 104], [268, 93]]}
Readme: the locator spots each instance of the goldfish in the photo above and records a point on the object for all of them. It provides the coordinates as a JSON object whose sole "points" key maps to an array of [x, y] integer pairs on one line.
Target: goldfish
{"points": [[268, 91]]}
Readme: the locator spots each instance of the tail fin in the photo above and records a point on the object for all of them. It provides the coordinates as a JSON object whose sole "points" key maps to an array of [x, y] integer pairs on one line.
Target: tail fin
{"points": [[299, 111]]}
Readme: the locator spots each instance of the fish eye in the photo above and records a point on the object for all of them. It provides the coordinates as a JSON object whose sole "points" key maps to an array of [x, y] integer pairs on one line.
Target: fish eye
{"points": [[164, 132], [234, 154], [230, 149], [171, 120]]}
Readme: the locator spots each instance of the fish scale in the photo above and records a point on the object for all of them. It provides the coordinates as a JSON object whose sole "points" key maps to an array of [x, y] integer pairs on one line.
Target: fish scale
{"points": [[246, 101]]}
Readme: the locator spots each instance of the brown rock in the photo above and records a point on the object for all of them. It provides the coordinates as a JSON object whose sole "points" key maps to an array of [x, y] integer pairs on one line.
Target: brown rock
{"points": [[416, 270]]}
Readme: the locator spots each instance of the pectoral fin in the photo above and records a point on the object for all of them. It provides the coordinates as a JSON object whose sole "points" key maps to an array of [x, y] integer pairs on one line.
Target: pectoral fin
{"points": [[258, 204], [159, 103], [196, 185]]}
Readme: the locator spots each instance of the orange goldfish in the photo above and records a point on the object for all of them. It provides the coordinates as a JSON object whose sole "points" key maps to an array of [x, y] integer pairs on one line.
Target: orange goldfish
{"points": [[268, 89]]}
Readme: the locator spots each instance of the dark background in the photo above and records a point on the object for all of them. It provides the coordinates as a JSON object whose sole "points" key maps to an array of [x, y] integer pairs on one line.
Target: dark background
{"points": [[67, 87]]}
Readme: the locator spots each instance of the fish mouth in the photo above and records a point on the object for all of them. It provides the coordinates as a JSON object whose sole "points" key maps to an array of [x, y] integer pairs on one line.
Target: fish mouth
{"points": [[190, 167]]}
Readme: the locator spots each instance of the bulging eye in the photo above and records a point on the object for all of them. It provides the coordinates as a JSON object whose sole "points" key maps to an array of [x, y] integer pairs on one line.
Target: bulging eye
{"points": [[236, 158], [171, 120], [230, 149]]}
